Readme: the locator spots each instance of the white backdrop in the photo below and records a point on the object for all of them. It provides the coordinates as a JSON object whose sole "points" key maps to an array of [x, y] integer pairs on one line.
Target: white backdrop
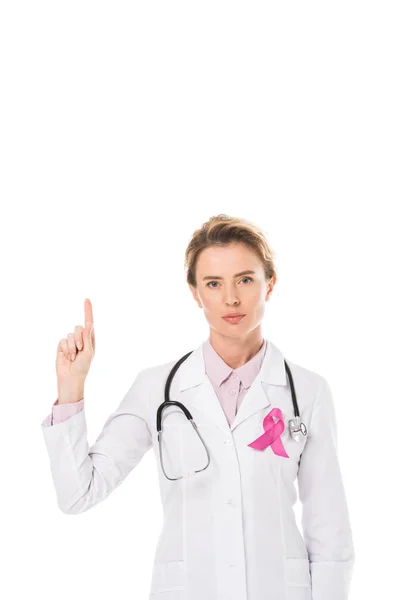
{"points": [[125, 126]]}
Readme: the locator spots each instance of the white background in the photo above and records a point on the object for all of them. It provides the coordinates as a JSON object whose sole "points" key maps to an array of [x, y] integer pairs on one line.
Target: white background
{"points": [[125, 126]]}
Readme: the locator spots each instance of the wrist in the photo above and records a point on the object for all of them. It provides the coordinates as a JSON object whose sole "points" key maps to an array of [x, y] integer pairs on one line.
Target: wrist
{"points": [[70, 392]]}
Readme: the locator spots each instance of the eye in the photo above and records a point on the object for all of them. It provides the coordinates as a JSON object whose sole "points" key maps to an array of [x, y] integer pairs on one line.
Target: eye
{"points": [[250, 279]]}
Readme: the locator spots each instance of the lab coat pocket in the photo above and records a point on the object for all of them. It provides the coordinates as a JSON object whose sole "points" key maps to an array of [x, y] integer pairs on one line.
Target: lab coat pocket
{"points": [[167, 577], [298, 579]]}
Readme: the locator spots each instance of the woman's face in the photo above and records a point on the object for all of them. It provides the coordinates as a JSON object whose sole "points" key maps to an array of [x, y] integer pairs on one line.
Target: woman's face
{"points": [[223, 287]]}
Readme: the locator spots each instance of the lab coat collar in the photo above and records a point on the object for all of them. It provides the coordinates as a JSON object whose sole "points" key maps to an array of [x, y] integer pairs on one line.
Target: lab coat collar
{"points": [[195, 387]]}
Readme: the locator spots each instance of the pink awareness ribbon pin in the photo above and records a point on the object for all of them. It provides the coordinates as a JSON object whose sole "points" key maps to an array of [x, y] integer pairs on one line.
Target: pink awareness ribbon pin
{"points": [[271, 435]]}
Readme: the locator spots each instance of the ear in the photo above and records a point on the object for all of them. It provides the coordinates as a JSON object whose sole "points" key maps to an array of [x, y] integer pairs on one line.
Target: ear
{"points": [[270, 286], [195, 295]]}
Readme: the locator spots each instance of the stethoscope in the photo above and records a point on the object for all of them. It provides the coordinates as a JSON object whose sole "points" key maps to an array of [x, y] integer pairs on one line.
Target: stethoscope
{"points": [[296, 426]]}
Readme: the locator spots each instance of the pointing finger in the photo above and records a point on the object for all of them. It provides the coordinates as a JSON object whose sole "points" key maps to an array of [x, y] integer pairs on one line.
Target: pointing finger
{"points": [[88, 314]]}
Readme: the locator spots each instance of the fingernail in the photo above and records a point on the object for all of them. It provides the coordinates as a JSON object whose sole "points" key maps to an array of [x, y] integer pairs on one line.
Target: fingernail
{"points": [[79, 346], [72, 356]]}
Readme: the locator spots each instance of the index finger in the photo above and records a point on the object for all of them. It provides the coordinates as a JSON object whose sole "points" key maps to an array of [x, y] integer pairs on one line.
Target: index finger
{"points": [[88, 314]]}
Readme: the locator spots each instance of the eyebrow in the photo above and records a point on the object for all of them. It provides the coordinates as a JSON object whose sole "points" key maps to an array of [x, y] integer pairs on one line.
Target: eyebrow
{"points": [[248, 272]]}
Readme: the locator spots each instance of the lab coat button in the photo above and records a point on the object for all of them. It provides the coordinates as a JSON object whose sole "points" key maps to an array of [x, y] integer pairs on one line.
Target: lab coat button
{"points": [[233, 375], [232, 392], [229, 442]]}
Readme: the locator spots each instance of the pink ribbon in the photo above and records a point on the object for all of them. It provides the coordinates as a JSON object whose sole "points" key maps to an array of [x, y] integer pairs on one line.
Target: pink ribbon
{"points": [[272, 432]]}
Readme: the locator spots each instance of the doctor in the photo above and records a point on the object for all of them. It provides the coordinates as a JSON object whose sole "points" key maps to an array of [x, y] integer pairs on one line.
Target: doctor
{"points": [[229, 530]]}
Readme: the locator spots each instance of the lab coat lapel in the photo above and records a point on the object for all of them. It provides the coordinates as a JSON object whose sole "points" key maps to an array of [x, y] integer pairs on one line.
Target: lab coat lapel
{"points": [[195, 388]]}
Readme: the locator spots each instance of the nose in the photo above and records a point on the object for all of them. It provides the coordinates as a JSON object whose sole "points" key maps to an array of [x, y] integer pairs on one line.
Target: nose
{"points": [[231, 298]]}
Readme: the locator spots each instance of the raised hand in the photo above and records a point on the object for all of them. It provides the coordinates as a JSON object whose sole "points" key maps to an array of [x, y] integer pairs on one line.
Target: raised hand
{"points": [[75, 353]]}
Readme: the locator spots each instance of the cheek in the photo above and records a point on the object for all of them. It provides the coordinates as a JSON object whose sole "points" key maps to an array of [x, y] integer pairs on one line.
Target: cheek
{"points": [[259, 310], [210, 304], [256, 300]]}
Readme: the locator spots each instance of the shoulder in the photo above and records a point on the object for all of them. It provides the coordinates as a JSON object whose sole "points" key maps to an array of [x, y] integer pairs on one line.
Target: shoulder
{"points": [[305, 376], [155, 375], [309, 384]]}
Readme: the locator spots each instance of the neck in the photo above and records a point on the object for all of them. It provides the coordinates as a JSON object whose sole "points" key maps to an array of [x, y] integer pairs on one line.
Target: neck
{"points": [[236, 351]]}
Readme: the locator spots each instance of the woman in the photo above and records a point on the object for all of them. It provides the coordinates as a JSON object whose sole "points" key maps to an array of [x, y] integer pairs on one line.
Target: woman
{"points": [[229, 531]]}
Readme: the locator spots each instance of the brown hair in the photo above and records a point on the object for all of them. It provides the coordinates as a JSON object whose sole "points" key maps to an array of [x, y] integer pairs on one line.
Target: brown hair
{"points": [[222, 230]]}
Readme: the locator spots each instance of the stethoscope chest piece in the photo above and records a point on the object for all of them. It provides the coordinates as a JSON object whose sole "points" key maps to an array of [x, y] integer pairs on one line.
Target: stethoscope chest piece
{"points": [[296, 428]]}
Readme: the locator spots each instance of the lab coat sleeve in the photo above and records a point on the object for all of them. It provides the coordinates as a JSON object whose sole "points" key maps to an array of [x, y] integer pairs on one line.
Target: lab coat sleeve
{"points": [[325, 517], [84, 476]]}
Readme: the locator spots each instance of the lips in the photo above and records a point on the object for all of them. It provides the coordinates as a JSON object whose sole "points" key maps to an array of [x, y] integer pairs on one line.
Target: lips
{"points": [[236, 319]]}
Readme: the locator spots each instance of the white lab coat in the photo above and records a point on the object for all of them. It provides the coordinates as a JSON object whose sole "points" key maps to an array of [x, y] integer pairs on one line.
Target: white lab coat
{"points": [[229, 532]]}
